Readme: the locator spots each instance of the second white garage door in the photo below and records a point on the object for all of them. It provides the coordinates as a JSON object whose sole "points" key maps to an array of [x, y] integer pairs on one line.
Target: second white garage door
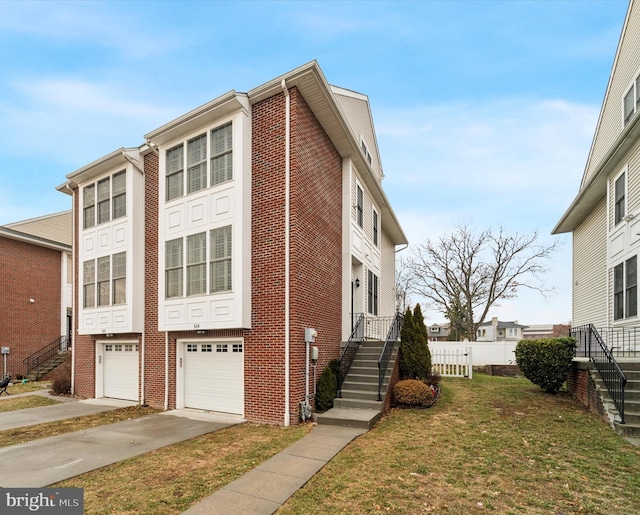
{"points": [[121, 371], [214, 377]]}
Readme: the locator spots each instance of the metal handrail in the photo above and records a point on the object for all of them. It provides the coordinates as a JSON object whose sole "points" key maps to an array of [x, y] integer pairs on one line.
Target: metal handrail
{"points": [[349, 351], [393, 336], [45, 354], [587, 336]]}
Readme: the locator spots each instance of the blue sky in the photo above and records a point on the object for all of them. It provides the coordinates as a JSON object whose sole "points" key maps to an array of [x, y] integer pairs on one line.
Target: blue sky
{"points": [[485, 110]]}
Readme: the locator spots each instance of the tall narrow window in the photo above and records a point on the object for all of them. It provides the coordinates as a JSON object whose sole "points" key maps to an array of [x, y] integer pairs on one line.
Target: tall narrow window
{"points": [[89, 284], [104, 200], [221, 259], [119, 193], [631, 287], [372, 293], [629, 104], [375, 227], [119, 278], [620, 208], [175, 172], [618, 292], [221, 154], [89, 202], [103, 280], [359, 205], [173, 268], [197, 264], [197, 163]]}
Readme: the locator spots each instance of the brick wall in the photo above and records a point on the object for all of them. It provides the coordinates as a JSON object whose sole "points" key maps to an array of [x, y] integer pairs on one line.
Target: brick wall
{"points": [[582, 387], [316, 254], [28, 272]]}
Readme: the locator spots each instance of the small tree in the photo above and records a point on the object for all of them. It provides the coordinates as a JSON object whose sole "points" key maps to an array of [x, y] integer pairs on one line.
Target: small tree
{"points": [[415, 358], [326, 389], [546, 361]]}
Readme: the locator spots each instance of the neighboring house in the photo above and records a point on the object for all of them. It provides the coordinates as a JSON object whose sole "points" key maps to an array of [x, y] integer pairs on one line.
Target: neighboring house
{"points": [[495, 331], [604, 217], [534, 332], [204, 254], [35, 287], [438, 332]]}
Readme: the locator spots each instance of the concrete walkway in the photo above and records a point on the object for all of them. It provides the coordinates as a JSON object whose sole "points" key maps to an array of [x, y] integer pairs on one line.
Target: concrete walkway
{"points": [[264, 489], [47, 461]]}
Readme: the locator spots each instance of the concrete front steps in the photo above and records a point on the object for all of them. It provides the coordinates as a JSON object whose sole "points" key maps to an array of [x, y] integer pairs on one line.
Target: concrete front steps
{"points": [[358, 406], [49, 366], [631, 427]]}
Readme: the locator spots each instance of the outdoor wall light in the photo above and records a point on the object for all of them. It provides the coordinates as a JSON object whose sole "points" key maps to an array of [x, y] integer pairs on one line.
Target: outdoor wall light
{"points": [[201, 331], [31, 301], [357, 283]]}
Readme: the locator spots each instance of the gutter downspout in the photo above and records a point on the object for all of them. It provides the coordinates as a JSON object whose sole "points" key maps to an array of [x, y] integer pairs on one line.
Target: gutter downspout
{"points": [[73, 290], [287, 173], [166, 371]]}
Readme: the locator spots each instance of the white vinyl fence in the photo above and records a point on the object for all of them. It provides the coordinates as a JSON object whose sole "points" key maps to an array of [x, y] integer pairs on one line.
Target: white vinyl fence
{"points": [[452, 362]]}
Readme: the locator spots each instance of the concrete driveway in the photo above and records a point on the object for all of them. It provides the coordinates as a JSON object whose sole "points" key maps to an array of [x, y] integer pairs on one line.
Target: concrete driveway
{"points": [[47, 461]]}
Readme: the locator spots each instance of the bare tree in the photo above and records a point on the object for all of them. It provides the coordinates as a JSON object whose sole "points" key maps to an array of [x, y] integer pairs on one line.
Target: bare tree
{"points": [[464, 274], [403, 285]]}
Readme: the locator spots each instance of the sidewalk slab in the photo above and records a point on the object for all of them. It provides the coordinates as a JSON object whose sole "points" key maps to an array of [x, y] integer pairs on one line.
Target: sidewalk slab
{"points": [[62, 411], [264, 489], [47, 461]]}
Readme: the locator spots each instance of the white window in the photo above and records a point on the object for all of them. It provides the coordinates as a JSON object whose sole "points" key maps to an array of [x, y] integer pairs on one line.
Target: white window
{"points": [[119, 278], [89, 284], [375, 227], [104, 264], [620, 188], [105, 200], [173, 268], [359, 205], [195, 152], [365, 150], [631, 100], [372, 293], [197, 264], [221, 259], [625, 289]]}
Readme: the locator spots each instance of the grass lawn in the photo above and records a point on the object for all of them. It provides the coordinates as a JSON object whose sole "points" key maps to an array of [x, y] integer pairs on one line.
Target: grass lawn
{"points": [[31, 401], [489, 444], [171, 479], [27, 387]]}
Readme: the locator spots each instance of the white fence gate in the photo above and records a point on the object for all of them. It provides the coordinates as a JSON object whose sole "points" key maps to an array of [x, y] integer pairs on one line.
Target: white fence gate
{"points": [[452, 362]]}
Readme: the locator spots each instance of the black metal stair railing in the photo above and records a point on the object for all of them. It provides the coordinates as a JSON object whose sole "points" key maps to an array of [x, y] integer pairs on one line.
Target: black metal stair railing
{"points": [[393, 336], [591, 345], [39, 359], [349, 350]]}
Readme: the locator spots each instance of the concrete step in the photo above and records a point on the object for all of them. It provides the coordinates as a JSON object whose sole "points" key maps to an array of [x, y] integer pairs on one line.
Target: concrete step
{"points": [[362, 378], [349, 417], [367, 395], [628, 430], [363, 387], [372, 404]]}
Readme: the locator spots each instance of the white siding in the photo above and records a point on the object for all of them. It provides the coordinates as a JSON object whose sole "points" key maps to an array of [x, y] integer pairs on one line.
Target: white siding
{"points": [[590, 268], [388, 279], [625, 69]]}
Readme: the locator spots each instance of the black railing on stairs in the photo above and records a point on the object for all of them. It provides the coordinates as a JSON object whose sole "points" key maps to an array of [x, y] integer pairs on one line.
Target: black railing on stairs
{"points": [[393, 336], [41, 357], [591, 345], [349, 351]]}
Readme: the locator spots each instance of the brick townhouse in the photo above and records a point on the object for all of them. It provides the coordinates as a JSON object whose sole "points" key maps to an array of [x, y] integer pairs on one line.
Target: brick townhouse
{"points": [[203, 254], [35, 288]]}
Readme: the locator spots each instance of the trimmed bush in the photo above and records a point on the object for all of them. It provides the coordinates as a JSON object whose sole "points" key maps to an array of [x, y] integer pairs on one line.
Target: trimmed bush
{"points": [[334, 365], [61, 386], [326, 390], [546, 361], [411, 392], [415, 358]]}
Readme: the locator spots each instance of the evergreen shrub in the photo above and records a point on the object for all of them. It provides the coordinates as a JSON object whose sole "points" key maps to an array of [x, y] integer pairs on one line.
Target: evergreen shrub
{"points": [[546, 361], [411, 392], [326, 389]]}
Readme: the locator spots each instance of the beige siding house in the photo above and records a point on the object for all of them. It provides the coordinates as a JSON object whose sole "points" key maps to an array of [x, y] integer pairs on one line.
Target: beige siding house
{"points": [[605, 215]]}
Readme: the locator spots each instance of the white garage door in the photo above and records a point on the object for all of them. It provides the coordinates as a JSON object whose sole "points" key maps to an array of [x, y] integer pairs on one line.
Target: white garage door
{"points": [[214, 377], [121, 371]]}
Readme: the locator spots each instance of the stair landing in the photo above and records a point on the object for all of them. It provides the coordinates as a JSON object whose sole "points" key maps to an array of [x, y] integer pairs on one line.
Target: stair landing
{"points": [[349, 417]]}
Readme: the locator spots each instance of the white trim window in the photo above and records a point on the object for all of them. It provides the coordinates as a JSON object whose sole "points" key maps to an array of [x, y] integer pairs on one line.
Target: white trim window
{"points": [[620, 194], [221, 259], [359, 205], [104, 281], [372, 293], [375, 227], [105, 200], [365, 150], [625, 289], [631, 101], [201, 171], [197, 264], [173, 258]]}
